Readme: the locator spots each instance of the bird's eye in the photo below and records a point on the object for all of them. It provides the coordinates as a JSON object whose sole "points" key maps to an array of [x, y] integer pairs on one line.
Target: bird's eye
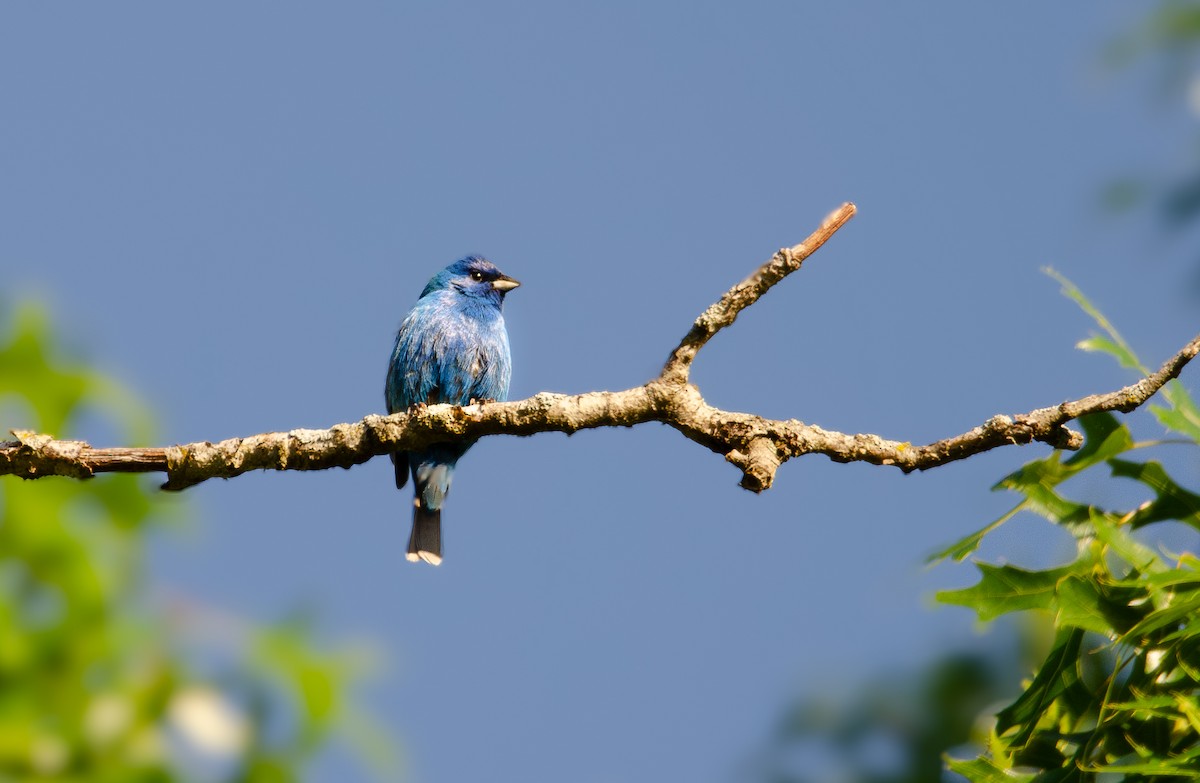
{"points": [[477, 277]]}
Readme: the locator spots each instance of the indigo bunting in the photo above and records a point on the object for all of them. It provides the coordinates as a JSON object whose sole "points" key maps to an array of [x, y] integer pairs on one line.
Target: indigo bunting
{"points": [[452, 347]]}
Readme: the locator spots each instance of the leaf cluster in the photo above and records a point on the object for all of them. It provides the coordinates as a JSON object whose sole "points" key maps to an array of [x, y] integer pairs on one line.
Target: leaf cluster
{"points": [[1117, 696]]}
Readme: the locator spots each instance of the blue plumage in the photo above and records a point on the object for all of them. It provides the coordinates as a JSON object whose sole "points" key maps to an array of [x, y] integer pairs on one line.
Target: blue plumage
{"points": [[452, 347]]}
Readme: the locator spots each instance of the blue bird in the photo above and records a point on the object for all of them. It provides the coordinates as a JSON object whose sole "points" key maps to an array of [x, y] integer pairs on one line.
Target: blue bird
{"points": [[452, 347]]}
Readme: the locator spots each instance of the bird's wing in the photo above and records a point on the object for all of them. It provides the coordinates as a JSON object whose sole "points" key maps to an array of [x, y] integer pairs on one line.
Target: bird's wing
{"points": [[412, 371]]}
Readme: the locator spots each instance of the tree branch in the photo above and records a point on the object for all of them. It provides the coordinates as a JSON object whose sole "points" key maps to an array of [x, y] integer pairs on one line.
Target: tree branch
{"points": [[756, 445]]}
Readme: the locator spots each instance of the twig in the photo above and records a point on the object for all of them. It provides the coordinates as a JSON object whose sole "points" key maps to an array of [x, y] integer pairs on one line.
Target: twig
{"points": [[725, 311]]}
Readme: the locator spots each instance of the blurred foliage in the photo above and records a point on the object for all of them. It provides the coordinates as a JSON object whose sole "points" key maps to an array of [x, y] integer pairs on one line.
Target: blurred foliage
{"points": [[1168, 40], [1117, 696], [98, 682], [899, 727], [1170, 32]]}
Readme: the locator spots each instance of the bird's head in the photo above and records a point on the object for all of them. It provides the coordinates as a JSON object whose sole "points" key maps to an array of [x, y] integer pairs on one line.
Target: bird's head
{"points": [[473, 276]]}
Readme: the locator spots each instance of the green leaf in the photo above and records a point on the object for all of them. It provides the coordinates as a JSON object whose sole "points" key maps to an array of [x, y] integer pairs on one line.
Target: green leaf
{"points": [[1114, 344], [1177, 394], [1189, 709], [28, 368], [984, 771], [1053, 677], [1158, 706], [1100, 344], [963, 547], [1111, 532], [1007, 588], [1176, 420], [1081, 605], [1173, 577], [1168, 617], [1173, 502], [1047, 472], [1182, 416], [1104, 437], [1158, 767], [1036, 481]]}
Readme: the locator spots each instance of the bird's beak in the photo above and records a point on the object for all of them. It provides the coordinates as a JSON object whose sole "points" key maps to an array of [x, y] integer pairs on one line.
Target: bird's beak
{"points": [[504, 283]]}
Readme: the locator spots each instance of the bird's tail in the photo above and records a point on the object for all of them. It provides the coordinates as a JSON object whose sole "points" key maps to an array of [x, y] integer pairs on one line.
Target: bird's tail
{"points": [[400, 462], [425, 542]]}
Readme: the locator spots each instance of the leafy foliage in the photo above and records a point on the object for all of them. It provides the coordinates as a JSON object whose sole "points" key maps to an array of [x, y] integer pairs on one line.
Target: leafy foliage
{"points": [[1118, 694], [1167, 40], [98, 682]]}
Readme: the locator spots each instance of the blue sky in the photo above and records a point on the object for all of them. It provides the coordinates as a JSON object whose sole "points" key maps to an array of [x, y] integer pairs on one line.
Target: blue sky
{"points": [[232, 205]]}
